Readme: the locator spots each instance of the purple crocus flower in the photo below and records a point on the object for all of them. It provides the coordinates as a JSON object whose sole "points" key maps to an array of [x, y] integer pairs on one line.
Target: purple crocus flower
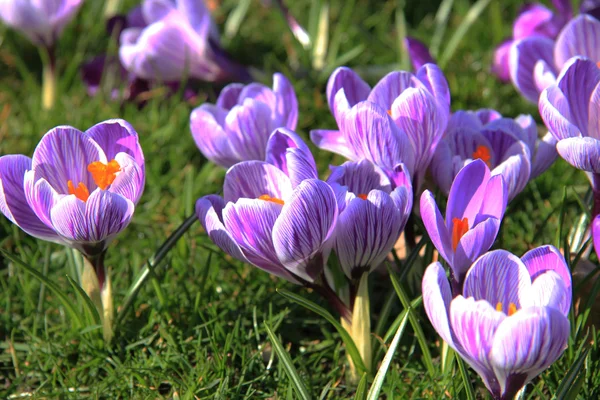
{"points": [[509, 322], [474, 211], [418, 52], [79, 188], [372, 215], [536, 61], [509, 147], [238, 126], [41, 21], [180, 40], [401, 119]]}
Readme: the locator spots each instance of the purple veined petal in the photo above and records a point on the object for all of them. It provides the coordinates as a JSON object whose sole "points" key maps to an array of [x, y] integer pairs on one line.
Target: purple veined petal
{"points": [[545, 155], [199, 17], [129, 182], [529, 131], [487, 115], [440, 166], [594, 113], [206, 125], [535, 21], [500, 64], [306, 223], [248, 126], [436, 300], [581, 152], [526, 344], [434, 80], [288, 152], [63, 154], [332, 141], [466, 142], [564, 7], [502, 134], [287, 103], [466, 120], [372, 134], [360, 177], [13, 202], [40, 196], [549, 290], [515, 168], [596, 233], [155, 10], [467, 192], [250, 224], [402, 196], [229, 96], [543, 75], [495, 201], [523, 56], [366, 231], [400, 177], [556, 114], [418, 52], [498, 277], [258, 92], [252, 179], [475, 242], [590, 7], [474, 324], [580, 37], [94, 221], [416, 113], [391, 86], [355, 89], [117, 136], [436, 227], [577, 81], [135, 18]]}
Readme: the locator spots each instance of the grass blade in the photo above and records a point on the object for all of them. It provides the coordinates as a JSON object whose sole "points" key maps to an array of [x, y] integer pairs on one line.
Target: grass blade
{"points": [[361, 389], [441, 22], [385, 364], [90, 310], [567, 388], [288, 365], [465, 377]]}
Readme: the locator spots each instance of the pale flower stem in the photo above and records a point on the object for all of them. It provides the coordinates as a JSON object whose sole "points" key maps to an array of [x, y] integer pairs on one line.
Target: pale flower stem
{"points": [[361, 321], [111, 8], [48, 77]]}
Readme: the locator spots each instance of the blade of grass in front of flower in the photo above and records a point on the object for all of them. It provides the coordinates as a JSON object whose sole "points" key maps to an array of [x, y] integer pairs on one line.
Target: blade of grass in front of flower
{"points": [[62, 297], [441, 23], [346, 338], [385, 364], [152, 264], [472, 16], [470, 393], [568, 387], [236, 18], [361, 389], [414, 322], [90, 311], [322, 39], [382, 319], [394, 326], [42, 294], [325, 392], [288, 365], [400, 21], [561, 221]]}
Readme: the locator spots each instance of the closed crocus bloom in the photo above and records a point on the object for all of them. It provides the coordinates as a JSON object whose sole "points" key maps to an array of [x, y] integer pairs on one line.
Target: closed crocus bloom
{"points": [[79, 188], [509, 147], [372, 215], [418, 107], [509, 322], [417, 52], [474, 211], [42, 21], [180, 40], [238, 126]]}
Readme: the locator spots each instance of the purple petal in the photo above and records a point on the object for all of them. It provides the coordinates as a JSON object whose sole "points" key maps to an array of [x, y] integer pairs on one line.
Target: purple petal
{"points": [[360, 177], [500, 65], [252, 179], [40, 196], [306, 222], [549, 290], [515, 168], [199, 17], [155, 10], [476, 241], [391, 86], [487, 115], [13, 202], [581, 152], [545, 155], [287, 103], [436, 300], [596, 233], [117, 136], [467, 192], [249, 126], [229, 96], [580, 37], [543, 75], [129, 182], [435, 226], [524, 54], [434, 80], [440, 168], [355, 89], [332, 141], [535, 21], [418, 52], [527, 343], [288, 152], [556, 114], [465, 141], [528, 132], [494, 203]]}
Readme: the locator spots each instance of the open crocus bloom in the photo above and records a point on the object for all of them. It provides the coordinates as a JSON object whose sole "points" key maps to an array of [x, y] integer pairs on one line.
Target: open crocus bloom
{"points": [[509, 147], [475, 208], [238, 126], [400, 120], [180, 40], [372, 215], [510, 320], [274, 215], [41, 21], [79, 188], [537, 60]]}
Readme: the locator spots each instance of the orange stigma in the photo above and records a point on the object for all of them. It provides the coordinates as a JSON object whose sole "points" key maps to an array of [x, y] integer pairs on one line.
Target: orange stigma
{"points": [[459, 228], [81, 191], [598, 64], [362, 196], [483, 153], [389, 112], [512, 308], [266, 197], [104, 174]]}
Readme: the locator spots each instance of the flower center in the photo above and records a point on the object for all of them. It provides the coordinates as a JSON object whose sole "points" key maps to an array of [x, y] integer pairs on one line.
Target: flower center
{"points": [[266, 197], [362, 196], [104, 174], [484, 154], [459, 228], [81, 191], [389, 112], [512, 308]]}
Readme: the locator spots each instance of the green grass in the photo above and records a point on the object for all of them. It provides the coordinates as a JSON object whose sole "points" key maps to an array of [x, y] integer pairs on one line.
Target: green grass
{"points": [[198, 327]]}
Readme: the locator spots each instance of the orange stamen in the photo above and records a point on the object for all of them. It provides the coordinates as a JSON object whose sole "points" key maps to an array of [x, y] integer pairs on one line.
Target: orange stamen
{"points": [[499, 306], [81, 191], [459, 228], [389, 112], [484, 154], [104, 174], [362, 196], [512, 308], [266, 197], [598, 64]]}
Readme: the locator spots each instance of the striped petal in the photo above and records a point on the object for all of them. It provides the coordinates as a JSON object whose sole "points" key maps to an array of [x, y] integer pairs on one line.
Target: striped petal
{"points": [[288, 152], [117, 136], [436, 226], [581, 152], [580, 37], [436, 300], [252, 179], [354, 88], [523, 57], [333, 141]]}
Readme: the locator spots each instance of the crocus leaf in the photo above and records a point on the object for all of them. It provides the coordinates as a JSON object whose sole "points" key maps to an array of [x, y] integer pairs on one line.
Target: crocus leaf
{"points": [[361, 389], [466, 380], [89, 308], [570, 385]]}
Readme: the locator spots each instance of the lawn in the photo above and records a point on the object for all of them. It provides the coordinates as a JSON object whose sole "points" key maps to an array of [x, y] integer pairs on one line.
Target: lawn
{"points": [[198, 325]]}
